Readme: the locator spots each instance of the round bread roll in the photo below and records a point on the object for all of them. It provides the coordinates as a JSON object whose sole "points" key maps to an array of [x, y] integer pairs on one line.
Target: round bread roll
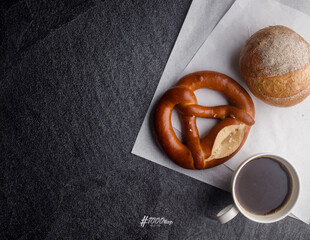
{"points": [[275, 63]]}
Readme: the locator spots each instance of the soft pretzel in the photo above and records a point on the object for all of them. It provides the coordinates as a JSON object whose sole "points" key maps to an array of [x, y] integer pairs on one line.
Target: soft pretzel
{"points": [[224, 140]]}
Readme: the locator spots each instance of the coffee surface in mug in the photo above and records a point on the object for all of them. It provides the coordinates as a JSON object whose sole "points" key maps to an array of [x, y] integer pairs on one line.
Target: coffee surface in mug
{"points": [[263, 186]]}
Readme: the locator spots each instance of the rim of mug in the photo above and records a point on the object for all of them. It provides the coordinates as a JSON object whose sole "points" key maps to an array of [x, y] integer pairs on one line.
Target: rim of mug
{"points": [[262, 218]]}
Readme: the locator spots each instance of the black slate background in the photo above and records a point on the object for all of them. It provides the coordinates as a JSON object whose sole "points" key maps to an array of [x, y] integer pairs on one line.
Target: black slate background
{"points": [[76, 79]]}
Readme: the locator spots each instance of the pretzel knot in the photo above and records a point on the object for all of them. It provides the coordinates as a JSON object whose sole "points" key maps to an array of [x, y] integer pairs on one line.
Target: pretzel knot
{"points": [[224, 140]]}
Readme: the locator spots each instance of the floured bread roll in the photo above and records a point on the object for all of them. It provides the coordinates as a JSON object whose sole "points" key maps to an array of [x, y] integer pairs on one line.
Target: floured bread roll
{"points": [[275, 63]]}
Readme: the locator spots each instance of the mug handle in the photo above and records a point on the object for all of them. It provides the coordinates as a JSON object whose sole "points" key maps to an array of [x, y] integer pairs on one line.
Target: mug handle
{"points": [[228, 213]]}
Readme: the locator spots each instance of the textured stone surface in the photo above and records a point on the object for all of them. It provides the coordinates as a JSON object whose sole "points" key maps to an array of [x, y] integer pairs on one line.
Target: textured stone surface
{"points": [[76, 78]]}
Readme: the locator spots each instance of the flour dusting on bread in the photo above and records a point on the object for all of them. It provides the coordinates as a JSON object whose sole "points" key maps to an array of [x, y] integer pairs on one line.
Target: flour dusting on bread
{"points": [[282, 52]]}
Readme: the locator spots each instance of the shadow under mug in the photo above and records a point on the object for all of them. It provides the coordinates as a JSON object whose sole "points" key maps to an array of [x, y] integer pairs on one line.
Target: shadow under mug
{"points": [[232, 210]]}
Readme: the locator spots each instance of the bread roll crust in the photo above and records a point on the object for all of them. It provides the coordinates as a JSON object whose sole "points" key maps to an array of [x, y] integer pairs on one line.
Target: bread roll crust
{"points": [[275, 63]]}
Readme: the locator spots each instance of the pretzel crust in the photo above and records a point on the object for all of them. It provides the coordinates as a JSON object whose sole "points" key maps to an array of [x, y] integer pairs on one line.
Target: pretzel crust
{"points": [[215, 147]]}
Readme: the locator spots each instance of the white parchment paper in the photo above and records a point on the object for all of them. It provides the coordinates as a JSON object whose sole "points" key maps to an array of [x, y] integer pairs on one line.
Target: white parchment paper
{"points": [[281, 131]]}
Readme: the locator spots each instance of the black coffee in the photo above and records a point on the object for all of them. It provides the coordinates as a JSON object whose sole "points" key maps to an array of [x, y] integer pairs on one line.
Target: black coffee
{"points": [[263, 186]]}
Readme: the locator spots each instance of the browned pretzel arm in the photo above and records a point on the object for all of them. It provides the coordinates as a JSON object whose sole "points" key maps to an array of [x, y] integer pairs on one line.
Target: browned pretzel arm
{"points": [[215, 112], [234, 92], [166, 137], [193, 141]]}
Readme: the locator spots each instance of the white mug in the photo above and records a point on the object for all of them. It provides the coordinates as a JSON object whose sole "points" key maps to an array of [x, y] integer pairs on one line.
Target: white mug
{"points": [[232, 210]]}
